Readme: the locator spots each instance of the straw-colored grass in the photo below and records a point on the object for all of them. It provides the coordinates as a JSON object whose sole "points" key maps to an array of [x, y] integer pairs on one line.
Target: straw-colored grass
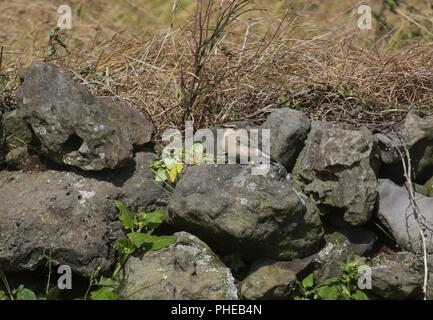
{"points": [[304, 54]]}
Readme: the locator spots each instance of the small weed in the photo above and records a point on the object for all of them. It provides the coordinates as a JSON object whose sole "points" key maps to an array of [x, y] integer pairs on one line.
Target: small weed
{"points": [[344, 287]]}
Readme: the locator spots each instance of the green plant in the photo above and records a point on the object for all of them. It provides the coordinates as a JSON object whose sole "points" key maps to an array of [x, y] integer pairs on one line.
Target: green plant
{"points": [[140, 226], [344, 287], [20, 293], [55, 40], [167, 170]]}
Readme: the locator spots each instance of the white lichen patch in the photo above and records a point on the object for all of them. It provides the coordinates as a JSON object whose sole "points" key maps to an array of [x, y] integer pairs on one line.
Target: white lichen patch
{"points": [[85, 195]]}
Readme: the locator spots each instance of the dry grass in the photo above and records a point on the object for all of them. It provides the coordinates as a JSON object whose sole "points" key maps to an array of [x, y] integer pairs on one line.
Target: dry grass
{"points": [[298, 53]]}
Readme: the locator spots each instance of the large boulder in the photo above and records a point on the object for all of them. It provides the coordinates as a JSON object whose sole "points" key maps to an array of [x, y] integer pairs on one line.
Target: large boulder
{"points": [[63, 216], [396, 213], [256, 216], [73, 126], [186, 270], [416, 133], [288, 129], [272, 281], [335, 169], [393, 277]]}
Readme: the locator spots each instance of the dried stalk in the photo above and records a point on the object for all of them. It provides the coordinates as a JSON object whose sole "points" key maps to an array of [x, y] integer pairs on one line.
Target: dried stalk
{"points": [[407, 171]]}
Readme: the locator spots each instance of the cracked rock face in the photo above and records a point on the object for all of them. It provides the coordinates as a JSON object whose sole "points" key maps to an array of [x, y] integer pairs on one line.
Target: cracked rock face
{"points": [[273, 281], [64, 215], [74, 127], [187, 269], [337, 169], [416, 133], [396, 213], [289, 129], [256, 216]]}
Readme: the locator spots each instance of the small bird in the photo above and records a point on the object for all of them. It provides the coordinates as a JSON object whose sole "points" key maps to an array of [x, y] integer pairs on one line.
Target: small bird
{"points": [[239, 144]]}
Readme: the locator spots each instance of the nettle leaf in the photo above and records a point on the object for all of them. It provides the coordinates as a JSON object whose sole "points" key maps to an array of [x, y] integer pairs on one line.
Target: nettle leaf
{"points": [[308, 282], [25, 294], [138, 239], [108, 282], [160, 175], [124, 246], [103, 293], [359, 295], [328, 292], [53, 293], [157, 164], [126, 216], [154, 219], [156, 243]]}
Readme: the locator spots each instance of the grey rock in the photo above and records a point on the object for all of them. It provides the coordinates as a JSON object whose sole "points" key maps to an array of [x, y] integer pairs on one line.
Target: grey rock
{"points": [[394, 278], [139, 188], [396, 213], [273, 281], [416, 132], [335, 169], [256, 216], [339, 247], [187, 269], [74, 127], [289, 129], [64, 215], [17, 156]]}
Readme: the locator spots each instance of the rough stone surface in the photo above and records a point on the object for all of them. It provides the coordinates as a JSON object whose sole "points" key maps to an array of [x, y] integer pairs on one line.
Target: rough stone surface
{"points": [[396, 213], [339, 247], [136, 179], [416, 132], [394, 278], [335, 169], [74, 127], [257, 216], [17, 156], [273, 281], [62, 214], [186, 270], [289, 129]]}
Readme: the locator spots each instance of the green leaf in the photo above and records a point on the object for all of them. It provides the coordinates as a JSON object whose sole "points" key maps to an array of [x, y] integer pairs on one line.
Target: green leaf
{"points": [[126, 216], [154, 219], [25, 294], [103, 294], [53, 293], [108, 282], [124, 246], [308, 282], [172, 174], [155, 243], [328, 292], [138, 239], [2, 295], [359, 295], [330, 282], [157, 164], [160, 175]]}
